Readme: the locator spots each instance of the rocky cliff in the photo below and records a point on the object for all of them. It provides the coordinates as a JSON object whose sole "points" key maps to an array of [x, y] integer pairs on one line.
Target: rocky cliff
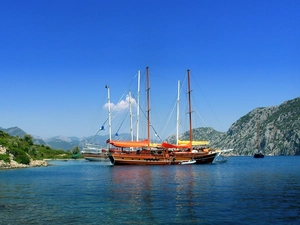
{"points": [[276, 129]]}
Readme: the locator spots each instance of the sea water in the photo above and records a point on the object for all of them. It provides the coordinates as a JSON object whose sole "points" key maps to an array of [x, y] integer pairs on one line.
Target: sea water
{"points": [[243, 190]]}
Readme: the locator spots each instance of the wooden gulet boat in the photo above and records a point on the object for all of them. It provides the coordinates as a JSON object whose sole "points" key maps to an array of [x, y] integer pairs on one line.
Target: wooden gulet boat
{"points": [[122, 153], [190, 150], [164, 154]]}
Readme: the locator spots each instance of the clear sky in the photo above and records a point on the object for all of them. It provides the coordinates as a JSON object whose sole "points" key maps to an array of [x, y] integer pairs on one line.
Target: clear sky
{"points": [[57, 56]]}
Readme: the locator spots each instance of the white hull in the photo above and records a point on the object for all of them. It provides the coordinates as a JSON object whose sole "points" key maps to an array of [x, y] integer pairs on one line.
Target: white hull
{"points": [[97, 159], [94, 153]]}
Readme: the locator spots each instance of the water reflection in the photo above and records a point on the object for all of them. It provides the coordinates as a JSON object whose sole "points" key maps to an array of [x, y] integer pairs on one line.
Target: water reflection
{"points": [[153, 190], [92, 193]]}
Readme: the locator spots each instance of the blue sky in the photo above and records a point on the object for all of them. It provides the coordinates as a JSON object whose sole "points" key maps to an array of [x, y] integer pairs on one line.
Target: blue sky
{"points": [[57, 56]]}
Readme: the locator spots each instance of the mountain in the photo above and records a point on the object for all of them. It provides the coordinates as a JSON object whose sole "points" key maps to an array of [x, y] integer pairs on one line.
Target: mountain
{"points": [[62, 142], [14, 131], [278, 129], [279, 133], [199, 134]]}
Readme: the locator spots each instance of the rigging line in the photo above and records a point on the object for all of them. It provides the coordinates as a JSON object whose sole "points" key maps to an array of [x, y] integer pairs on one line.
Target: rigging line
{"points": [[171, 114], [173, 109], [113, 111], [121, 124], [208, 104], [201, 118], [169, 118], [125, 91], [95, 118], [156, 134], [98, 131]]}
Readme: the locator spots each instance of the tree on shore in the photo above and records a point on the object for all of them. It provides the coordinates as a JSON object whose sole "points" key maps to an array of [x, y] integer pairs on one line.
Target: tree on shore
{"points": [[76, 150], [29, 139]]}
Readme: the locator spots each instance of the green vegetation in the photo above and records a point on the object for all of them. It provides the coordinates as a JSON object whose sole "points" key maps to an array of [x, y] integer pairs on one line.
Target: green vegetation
{"points": [[76, 150], [5, 158], [23, 149]]}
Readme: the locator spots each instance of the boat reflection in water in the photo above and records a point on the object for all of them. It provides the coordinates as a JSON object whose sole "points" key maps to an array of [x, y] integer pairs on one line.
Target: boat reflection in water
{"points": [[144, 189]]}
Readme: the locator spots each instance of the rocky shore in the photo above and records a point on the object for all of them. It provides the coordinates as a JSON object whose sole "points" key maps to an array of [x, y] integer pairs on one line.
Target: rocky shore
{"points": [[13, 164]]}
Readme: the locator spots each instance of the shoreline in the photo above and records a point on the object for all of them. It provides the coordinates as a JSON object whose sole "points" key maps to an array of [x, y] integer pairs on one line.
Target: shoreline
{"points": [[33, 163], [15, 165]]}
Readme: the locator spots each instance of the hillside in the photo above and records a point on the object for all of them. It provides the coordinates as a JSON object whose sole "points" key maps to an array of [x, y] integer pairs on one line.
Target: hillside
{"points": [[18, 152], [62, 142], [279, 133], [14, 131], [203, 133], [279, 130]]}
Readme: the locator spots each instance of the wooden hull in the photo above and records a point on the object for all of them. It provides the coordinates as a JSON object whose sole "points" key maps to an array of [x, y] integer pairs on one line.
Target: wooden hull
{"points": [[138, 159], [201, 158], [133, 158]]}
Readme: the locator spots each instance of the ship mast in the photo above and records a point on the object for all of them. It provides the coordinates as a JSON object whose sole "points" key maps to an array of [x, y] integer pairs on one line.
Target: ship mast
{"points": [[109, 112], [130, 112], [138, 108], [190, 109], [178, 108], [257, 137], [148, 105]]}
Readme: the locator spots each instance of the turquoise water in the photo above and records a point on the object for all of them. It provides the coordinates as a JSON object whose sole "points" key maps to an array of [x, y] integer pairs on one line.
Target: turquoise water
{"points": [[242, 191]]}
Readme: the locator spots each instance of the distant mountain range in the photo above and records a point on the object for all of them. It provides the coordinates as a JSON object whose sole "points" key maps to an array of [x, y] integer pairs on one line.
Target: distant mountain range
{"points": [[63, 142], [275, 128]]}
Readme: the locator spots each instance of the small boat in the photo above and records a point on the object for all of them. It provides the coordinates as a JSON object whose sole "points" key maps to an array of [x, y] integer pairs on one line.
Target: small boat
{"points": [[94, 152], [259, 154], [191, 161]]}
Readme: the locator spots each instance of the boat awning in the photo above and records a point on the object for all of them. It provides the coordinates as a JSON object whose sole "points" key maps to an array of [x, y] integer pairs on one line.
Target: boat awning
{"points": [[194, 142], [129, 144], [168, 145]]}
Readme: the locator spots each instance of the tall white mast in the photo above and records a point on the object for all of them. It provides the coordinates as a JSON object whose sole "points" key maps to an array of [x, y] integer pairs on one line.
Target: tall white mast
{"points": [[130, 112], [178, 108], [109, 112], [138, 106]]}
